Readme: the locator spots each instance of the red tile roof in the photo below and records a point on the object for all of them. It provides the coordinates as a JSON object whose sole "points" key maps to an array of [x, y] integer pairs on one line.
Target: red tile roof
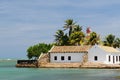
{"points": [[69, 49]]}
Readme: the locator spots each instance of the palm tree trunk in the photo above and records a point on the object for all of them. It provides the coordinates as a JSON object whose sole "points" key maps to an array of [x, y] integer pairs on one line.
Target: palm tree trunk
{"points": [[70, 31]]}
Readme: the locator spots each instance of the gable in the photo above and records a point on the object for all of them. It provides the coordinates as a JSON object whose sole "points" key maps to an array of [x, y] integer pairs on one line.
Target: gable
{"points": [[105, 49]]}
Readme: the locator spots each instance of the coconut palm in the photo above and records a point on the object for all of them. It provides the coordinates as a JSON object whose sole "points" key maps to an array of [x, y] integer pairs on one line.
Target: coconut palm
{"points": [[116, 43], [94, 39], [109, 40], [76, 38], [77, 28], [58, 37], [61, 38], [69, 24], [65, 40]]}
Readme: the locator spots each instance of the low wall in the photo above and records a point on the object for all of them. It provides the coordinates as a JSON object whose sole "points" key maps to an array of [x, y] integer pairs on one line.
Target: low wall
{"points": [[27, 63], [87, 65]]}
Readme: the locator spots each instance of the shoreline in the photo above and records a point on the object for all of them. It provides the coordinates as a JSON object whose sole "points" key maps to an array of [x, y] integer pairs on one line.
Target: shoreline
{"points": [[69, 65], [25, 66]]}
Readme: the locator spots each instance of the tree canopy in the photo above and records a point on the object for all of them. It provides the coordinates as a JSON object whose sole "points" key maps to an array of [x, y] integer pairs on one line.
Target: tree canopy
{"points": [[94, 39], [75, 36], [116, 43], [35, 50], [111, 40], [69, 24]]}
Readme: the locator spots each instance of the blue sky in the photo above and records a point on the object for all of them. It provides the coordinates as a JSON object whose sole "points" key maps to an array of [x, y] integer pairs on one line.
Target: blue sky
{"points": [[26, 22]]}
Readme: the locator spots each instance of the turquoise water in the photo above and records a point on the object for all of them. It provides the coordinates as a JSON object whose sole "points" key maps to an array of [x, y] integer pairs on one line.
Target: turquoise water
{"points": [[8, 71]]}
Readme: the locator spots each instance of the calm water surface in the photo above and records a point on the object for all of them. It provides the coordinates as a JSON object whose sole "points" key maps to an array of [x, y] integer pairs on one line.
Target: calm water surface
{"points": [[9, 72]]}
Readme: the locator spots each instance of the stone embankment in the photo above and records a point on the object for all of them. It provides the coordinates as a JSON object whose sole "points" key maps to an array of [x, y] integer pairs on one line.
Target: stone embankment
{"points": [[79, 65], [100, 65], [60, 65]]}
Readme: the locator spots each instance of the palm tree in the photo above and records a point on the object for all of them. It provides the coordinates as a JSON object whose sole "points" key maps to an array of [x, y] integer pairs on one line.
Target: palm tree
{"points": [[65, 40], [116, 43], [76, 38], [94, 39], [109, 40], [58, 37], [61, 38], [77, 28], [69, 24]]}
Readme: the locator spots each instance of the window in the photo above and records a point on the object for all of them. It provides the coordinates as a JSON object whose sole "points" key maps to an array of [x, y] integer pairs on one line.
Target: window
{"points": [[109, 58], [119, 58], [95, 58], [69, 57], [55, 57], [62, 57]]}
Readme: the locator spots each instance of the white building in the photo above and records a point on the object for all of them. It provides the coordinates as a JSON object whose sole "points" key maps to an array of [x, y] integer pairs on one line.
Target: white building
{"points": [[68, 53], [96, 53], [104, 54], [118, 49]]}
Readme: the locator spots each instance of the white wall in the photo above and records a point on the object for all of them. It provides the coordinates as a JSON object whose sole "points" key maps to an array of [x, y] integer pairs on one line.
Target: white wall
{"points": [[116, 61], [96, 51], [103, 56], [75, 57]]}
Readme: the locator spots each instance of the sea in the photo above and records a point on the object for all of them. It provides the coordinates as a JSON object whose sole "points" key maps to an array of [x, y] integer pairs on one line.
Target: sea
{"points": [[8, 71]]}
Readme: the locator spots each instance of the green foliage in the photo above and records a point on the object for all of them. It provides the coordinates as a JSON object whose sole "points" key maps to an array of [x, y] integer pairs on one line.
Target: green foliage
{"points": [[94, 39], [112, 41], [116, 43], [69, 24], [61, 38], [65, 40], [77, 28], [35, 50], [76, 38], [76, 35], [109, 40]]}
